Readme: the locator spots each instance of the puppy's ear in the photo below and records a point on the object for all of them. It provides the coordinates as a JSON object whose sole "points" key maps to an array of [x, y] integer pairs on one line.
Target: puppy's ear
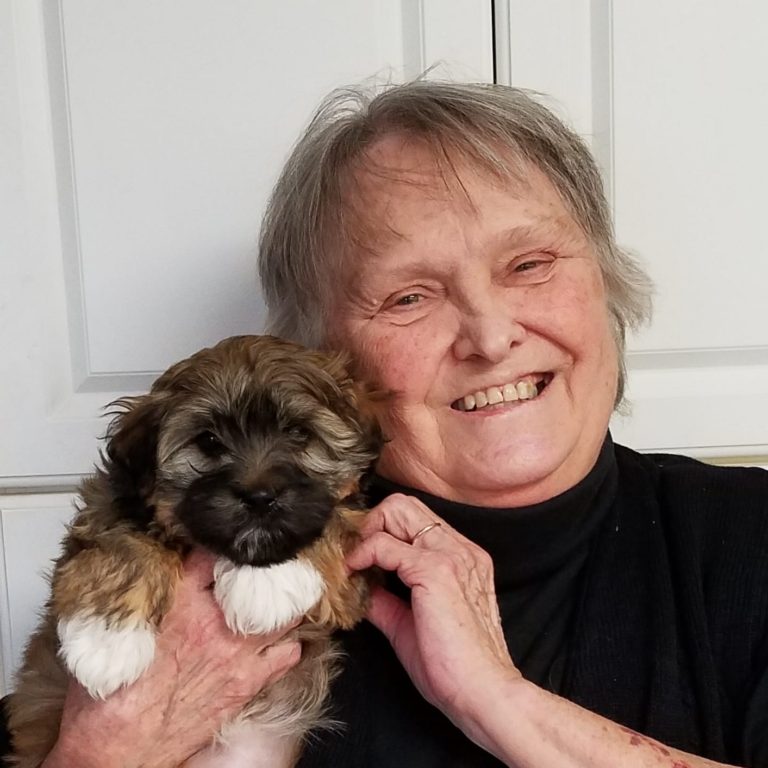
{"points": [[366, 401], [131, 454], [366, 404]]}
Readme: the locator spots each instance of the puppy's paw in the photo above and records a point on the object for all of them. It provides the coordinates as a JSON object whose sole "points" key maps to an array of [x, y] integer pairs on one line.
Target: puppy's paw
{"points": [[103, 658], [260, 600]]}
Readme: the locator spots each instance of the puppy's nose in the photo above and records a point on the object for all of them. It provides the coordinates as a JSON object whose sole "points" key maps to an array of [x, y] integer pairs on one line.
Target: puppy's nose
{"points": [[255, 497]]}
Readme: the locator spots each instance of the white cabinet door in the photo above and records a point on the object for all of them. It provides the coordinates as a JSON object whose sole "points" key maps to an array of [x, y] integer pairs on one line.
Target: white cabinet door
{"points": [[31, 528], [139, 143], [673, 97]]}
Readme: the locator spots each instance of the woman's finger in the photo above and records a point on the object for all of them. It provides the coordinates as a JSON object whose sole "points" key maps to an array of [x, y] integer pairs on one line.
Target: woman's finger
{"points": [[280, 657], [396, 515], [399, 515], [382, 550], [414, 567], [410, 521], [387, 612]]}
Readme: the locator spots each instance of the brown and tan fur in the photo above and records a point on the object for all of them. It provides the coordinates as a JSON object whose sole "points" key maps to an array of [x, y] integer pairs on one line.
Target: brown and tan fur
{"points": [[122, 556]]}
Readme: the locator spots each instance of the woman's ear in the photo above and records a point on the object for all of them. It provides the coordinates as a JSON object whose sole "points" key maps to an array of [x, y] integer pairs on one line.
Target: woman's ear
{"points": [[130, 463]]}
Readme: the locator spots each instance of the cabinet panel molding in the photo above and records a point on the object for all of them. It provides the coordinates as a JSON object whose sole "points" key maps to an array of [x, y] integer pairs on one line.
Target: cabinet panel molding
{"points": [[31, 528]]}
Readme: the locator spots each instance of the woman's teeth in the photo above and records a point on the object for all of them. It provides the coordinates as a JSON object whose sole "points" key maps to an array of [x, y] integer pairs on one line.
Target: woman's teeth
{"points": [[525, 389]]}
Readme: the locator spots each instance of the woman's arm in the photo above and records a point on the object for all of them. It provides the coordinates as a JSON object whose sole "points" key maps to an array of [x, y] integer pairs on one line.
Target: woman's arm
{"points": [[201, 675], [525, 726], [450, 642]]}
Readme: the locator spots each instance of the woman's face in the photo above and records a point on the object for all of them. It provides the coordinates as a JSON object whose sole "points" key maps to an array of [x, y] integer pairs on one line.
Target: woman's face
{"points": [[487, 293]]}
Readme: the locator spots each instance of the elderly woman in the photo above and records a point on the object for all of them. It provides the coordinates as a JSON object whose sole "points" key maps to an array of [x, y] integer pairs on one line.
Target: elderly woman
{"points": [[554, 599], [556, 596]]}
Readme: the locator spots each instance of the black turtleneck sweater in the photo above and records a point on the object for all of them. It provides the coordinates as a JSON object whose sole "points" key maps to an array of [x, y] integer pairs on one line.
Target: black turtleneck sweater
{"points": [[640, 594]]}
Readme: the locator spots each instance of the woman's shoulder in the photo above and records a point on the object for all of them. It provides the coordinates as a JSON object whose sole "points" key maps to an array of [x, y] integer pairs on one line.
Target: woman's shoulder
{"points": [[682, 474], [721, 512]]}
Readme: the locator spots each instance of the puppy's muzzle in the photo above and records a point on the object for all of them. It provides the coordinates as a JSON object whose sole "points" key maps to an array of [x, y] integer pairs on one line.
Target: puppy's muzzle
{"points": [[256, 523]]}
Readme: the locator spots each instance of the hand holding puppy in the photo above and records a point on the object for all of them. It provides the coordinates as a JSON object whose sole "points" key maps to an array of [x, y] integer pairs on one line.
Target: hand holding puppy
{"points": [[449, 639], [201, 675]]}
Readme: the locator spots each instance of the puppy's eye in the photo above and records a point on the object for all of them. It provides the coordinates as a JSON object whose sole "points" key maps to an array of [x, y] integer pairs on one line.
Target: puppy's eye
{"points": [[299, 432], [209, 444]]}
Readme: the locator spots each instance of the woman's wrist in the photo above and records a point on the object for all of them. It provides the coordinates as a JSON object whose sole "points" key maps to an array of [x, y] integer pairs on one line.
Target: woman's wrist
{"points": [[83, 743], [483, 712], [65, 755], [524, 725]]}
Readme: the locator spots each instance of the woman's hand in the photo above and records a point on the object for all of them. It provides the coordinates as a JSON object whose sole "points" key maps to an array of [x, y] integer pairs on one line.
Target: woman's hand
{"points": [[201, 675], [449, 640]]}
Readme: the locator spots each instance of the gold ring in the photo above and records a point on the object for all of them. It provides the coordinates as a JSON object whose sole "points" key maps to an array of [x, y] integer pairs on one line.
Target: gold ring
{"points": [[424, 530]]}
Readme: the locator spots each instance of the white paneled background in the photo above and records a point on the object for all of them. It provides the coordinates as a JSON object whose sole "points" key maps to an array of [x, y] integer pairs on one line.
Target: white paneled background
{"points": [[31, 527], [138, 143]]}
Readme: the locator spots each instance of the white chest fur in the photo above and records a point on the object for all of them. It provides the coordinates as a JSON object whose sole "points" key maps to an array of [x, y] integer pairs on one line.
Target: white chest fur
{"points": [[260, 600], [101, 657], [249, 746]]}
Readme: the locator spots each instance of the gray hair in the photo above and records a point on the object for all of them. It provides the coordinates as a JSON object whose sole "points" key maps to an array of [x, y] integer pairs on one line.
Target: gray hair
{"points": [[309, 226]]}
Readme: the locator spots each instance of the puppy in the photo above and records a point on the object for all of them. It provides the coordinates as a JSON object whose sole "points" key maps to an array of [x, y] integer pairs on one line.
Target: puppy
{"points": [[253, 449]]}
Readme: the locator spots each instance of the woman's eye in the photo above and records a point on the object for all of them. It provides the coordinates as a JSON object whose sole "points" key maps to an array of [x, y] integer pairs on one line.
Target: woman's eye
{"points": [[404, 308], [529, 264], [533, 268], [209, 444]]}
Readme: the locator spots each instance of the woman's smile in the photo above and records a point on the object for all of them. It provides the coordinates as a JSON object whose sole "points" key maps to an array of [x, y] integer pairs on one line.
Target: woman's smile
{"points": [[496, 397]]}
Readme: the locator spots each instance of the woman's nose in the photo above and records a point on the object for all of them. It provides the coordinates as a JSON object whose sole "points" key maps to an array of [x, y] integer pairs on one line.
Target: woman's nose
{"points": [[488, 332]]}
